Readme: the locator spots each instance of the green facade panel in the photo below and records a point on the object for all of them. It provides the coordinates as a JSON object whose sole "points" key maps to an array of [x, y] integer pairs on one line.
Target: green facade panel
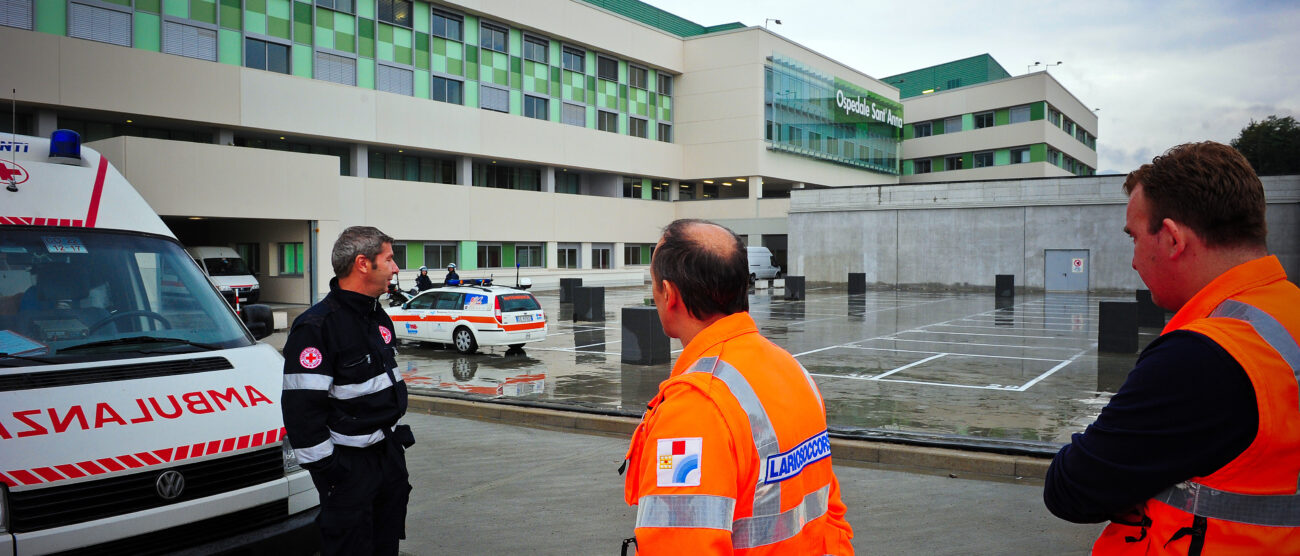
{"points": [[176, 8], [1038, 152], [302, 58], [366, 73], [422, 17], [907, 167], [203, 10], [516, 102], [414, 254], [646, 192], [907, 132], [51, 17], [422, 51], [967, 160], [151, 6], [967, 123], [1038, 110], [507, 255], [230, 47], [421, 84], [147, 31], [230, 15], [468, 255], [302, 25], [1002, 157], [366, 38], [1002, 117]]}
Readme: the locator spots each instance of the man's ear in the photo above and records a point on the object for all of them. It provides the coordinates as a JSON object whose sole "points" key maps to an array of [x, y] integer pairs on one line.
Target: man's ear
{"points": [[361, 264], [1174, 237], [672, 295]]}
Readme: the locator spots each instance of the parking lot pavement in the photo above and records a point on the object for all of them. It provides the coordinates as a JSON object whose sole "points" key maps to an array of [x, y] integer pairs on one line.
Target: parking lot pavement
{"points": [[493, 488]]}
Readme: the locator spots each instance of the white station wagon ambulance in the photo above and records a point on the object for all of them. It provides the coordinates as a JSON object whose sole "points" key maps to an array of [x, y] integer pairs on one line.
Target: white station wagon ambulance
{"points": [[471, 316], [137, 414]]}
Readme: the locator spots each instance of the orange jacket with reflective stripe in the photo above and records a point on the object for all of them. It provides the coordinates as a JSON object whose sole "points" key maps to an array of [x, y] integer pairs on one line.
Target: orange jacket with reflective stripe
{"points": [[1252, 504], [733, 454]]}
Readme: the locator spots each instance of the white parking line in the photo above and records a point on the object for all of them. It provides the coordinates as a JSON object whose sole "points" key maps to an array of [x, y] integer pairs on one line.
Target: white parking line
{"points": [[1053, 370], [920, 331], [888, 339], [908, 366], [953, 354]]}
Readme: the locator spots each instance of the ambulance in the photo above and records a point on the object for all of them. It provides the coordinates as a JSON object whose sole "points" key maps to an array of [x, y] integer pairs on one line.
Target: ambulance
{"points": [[138, 414]]}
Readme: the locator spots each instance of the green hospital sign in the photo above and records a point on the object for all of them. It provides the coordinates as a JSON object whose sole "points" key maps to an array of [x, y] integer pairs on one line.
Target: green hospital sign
{"points": [[859, 106]]}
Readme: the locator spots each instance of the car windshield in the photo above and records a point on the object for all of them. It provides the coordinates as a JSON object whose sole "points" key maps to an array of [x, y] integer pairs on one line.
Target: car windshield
{"points": [[226, 267], [83, 294], [513, 302]]}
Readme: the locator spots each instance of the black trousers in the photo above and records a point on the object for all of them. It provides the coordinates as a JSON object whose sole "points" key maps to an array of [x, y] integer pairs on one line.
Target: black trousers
{"points": [[364, 511]]}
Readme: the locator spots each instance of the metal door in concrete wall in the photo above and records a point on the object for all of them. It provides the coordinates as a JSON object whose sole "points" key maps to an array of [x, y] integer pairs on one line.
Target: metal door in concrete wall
{"points": [[1066, 270]]}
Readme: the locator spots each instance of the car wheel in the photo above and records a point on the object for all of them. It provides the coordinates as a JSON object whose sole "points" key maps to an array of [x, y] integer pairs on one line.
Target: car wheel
{"points": [[516, 347], [464, 341]]}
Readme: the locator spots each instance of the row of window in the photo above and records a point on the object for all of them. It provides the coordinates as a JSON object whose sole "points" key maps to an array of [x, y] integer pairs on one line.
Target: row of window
{"points": [[1019, 155], [1016, 114], [438, 255], [1068, 126]]}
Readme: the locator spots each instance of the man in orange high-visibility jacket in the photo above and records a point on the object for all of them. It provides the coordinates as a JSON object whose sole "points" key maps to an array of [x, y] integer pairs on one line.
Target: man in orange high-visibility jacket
{"points": [[732, 454], [1199, 451]]}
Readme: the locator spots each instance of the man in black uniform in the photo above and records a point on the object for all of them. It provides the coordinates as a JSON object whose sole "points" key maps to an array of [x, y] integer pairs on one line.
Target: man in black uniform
{"points": [[422, 282], [452, 278], [342, 399]]}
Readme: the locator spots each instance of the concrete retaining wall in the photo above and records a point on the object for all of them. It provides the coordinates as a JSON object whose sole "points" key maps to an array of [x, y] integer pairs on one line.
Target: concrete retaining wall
{"points": [[963, 234]]}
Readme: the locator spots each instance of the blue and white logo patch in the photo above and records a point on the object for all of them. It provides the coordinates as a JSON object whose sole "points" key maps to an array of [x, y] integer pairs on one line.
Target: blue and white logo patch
{"points": [[678, 463], [787, 464]]}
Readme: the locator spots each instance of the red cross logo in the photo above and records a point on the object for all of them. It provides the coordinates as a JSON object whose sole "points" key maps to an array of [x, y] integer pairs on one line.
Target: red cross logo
{"points": [[12, 171], [310, 358], [386, 334]]}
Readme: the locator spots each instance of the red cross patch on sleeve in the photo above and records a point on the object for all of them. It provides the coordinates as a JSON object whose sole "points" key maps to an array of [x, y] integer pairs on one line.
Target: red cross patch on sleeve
{"points": [[310, 358]]}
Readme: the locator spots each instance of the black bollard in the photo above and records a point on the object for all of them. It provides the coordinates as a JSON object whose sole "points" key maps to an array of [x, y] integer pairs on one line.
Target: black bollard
{"points": [[1118, 330], [566, 288], [857, 283], [644, 341], [589, 304], [1149, 314], [1005, 285], [794, 287]]}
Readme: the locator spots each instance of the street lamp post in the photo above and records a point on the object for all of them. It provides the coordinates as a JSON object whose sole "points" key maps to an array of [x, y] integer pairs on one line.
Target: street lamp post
{"points": [[765, 22]]}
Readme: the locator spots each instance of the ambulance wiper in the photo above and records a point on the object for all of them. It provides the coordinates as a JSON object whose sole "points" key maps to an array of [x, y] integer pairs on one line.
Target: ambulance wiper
{"points": [[129, 340], [20, 357]]}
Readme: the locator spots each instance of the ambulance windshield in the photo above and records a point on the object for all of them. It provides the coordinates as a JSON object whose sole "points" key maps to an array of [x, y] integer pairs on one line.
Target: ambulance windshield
{"points": [[75, 294]]}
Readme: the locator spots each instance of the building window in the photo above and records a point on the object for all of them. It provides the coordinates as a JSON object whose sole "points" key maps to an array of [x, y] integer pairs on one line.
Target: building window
{"points": [[637, 127], [921, 166], [448, 26], [983, 159], [188, 41], [396, 166], [685, 191], [439, 255], [923, 129], [607, 68], [335, 69], [952, 125], [952, 163], [638, 77], [566, 256], [954, 83], [503, 176], [252, 255], [1068, 126], [665, 84], [1019, 114], [99, 24], [983, 120], [1054, 116], [568, 182], [269, 56], [290, 259], [492, 98], [573, 114], [489, 255], [607, 121], [395, 80], [632, 254], [16, 13], [336, 5], [632, 188], [492, 37], [399, 255], [573, 59], [397, 12], [535, 49], [529, 255], [446, 90], [600, 256], [1020, 155], [535, 107], [665, 132]]}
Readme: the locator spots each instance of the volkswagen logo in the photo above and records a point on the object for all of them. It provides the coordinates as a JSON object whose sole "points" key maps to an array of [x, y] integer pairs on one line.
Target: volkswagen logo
{"points": [[170, 484]]}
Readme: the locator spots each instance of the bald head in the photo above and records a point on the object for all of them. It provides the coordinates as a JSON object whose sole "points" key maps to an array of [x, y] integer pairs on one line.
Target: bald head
{"points": [[708, 265]]}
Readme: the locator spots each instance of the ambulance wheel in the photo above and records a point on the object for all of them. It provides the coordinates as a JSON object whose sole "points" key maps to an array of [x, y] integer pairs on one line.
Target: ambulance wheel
{"points": [[464, 341], [516, 347]]}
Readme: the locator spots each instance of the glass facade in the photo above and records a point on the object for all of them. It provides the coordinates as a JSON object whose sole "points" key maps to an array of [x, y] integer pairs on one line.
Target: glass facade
{"points": [[824, 117]]}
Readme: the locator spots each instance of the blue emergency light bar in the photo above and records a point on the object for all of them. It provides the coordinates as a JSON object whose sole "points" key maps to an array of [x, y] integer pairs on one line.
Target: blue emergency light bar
{"points": [[65, 145]]}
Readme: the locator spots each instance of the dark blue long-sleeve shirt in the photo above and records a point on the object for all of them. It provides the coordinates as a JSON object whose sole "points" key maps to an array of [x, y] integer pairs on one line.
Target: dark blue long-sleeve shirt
{"points": [[1186, 410]]}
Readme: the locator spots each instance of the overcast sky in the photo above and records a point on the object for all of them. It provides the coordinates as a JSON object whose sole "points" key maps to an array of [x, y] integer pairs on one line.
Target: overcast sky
{"points": [[1163, 73]]}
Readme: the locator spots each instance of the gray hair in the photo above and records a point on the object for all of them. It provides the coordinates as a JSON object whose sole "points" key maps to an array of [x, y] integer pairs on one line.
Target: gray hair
{"points": [[357, 240]]}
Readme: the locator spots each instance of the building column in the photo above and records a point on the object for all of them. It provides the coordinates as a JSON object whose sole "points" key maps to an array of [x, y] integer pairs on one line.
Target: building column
{"points": [[618, 261], [584, 255], [674, 190], [46, 122], [552, 255], [756, 187], [464, 170], [360, 161], [225, 137], [548, 179]]}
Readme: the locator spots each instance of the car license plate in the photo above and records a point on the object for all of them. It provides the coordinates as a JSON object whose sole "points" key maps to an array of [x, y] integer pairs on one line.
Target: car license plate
{"points": [[524, 318]]}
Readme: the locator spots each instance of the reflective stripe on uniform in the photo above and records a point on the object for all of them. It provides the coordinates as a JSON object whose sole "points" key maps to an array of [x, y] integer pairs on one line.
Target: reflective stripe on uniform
{"points": [[379, 383], [315, 453], [703, 511], [1272, 510], [750, 532], [357, 441], [1267, 327], [307, 381]]}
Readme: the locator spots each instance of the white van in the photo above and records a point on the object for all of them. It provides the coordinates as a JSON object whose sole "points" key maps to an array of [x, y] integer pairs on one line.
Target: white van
{"points": [[760, 264], [227, 272], [137, 413]]}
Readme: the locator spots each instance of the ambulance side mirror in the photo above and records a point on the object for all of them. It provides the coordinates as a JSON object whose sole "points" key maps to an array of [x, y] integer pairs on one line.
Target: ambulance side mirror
{"points": [[258, 319]]}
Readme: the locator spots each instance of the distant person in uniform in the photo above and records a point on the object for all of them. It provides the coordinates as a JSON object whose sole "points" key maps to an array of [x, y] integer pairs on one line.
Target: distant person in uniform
{"points": [[733, 452], [452, 278], [1199, 450], [422, 282], [342, 399]]}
